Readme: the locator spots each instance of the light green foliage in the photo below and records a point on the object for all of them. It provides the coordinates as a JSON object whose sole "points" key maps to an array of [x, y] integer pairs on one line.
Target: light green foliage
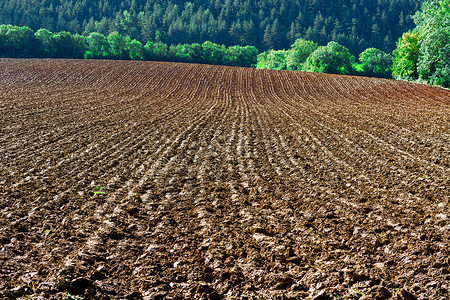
{"points": [[307, 56], [273, 59], [98, 190], [48, 231], [69, 296], [298, 54], [375, 63], [424, 53], [433, 22], [61, 44], [98, 46], [117, 46], [406, 56], [182, 52], [155, 51], [192, 53], [241, 56], [212, 53], [333, 58], [46, 41], [136, 50]]}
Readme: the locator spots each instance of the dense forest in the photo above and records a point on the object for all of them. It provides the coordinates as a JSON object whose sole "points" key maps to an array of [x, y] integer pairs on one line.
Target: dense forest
{"points": [[265, 24]]}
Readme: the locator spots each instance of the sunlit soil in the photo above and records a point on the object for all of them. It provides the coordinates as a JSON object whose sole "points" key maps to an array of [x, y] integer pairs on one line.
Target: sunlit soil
{"points": [[175, 181]]}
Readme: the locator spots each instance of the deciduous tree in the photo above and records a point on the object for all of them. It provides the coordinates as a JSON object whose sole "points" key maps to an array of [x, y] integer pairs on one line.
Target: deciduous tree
{"points": [[298, 54], [332, 58], [375, 63]]}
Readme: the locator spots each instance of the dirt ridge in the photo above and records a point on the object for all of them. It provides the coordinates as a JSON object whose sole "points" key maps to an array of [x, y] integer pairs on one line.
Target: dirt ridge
{"points": [[153, 180]]}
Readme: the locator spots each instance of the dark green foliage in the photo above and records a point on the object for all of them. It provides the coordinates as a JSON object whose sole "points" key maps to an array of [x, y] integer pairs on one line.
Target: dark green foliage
{"points": [[17, 41], [265, 24], [68, 45]]}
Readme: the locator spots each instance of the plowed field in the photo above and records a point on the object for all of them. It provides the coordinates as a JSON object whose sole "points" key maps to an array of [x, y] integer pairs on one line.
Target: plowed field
{"points": [[131, 180]]}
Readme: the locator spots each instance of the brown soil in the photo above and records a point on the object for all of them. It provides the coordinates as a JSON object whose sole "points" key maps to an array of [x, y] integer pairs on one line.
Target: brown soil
{"points": [[220, 183]]}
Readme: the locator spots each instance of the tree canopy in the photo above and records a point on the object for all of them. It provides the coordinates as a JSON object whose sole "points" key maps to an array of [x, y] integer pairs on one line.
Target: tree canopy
{"points": [[265, 24], [18, 41], [332, 58], [298, 54], [375, 63], [424, 52]]}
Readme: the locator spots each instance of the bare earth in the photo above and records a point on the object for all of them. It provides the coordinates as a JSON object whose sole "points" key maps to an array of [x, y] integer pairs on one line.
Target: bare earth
{"points": [[220, 183]]}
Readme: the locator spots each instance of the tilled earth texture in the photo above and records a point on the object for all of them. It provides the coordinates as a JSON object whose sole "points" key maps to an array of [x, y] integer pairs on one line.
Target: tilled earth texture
{"points": [[144, 180]]}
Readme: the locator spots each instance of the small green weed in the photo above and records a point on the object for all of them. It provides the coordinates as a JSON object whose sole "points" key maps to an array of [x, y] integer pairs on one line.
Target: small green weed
{"points": [[48, 231], [69, 296], [99, 190]]}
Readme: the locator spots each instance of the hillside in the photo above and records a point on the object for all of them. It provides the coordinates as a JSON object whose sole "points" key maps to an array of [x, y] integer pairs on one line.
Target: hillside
{"points": [[266, 24], [144, 180]]}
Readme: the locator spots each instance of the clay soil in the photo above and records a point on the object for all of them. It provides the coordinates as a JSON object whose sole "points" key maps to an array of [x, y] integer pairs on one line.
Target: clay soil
{"points": [[144, 180]]}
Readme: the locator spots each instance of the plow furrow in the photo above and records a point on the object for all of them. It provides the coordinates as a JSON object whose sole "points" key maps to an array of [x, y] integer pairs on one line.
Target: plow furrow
{"points": [[152, 180]]}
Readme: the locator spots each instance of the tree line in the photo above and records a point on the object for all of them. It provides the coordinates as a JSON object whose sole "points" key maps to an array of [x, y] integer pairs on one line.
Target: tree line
{"points": [[303, 55], [265, 24], [422, 54], [333, 58], [22, 42]]}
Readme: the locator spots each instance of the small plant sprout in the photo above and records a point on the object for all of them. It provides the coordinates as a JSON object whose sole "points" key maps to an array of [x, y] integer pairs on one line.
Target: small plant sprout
{"points": [[99, 190], [48, 231], [69, 296]]}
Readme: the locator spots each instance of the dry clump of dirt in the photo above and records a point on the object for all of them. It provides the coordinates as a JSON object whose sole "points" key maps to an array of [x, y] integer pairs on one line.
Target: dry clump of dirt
{"points": [[143, 180]]}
